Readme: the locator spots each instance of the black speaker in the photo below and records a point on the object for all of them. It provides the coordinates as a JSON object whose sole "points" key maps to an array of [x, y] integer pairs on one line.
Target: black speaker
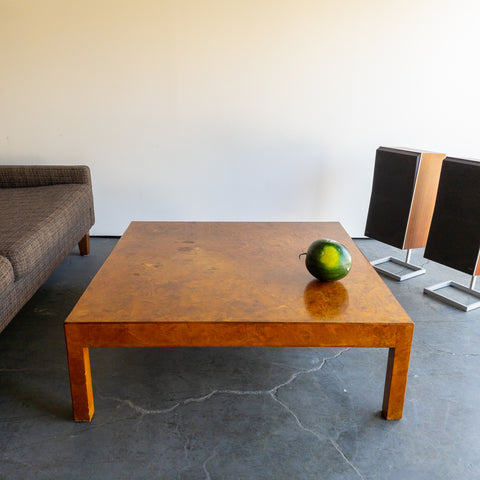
{"points": [[403, 196], [401, 204], [454, 237]]}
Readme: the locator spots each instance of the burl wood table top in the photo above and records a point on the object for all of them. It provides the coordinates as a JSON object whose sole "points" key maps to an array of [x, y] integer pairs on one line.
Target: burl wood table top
{"points": [[231, 272]]}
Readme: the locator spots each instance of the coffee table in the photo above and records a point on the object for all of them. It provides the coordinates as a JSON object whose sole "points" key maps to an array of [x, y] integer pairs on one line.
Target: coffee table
{"points": [[218, 284]]}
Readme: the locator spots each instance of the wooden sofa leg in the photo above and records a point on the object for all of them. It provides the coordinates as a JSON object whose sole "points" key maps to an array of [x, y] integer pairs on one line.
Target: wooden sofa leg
{"points": [[84, 245]]}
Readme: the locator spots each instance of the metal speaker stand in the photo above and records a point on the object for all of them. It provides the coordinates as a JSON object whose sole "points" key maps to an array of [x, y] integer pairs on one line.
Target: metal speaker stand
{"points": [[415, 270], [466, 307]]}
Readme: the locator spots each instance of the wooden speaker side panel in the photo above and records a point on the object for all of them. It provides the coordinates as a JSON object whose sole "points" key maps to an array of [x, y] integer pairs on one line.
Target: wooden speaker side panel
{"points": [[423, 201]]}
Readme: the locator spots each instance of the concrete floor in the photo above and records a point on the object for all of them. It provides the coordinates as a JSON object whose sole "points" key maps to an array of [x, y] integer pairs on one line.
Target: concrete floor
{"points": [[240, 413]]}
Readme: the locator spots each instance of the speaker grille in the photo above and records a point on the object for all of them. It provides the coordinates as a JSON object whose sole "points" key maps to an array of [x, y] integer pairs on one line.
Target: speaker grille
{"points": [[454, 237], [392, 192]]}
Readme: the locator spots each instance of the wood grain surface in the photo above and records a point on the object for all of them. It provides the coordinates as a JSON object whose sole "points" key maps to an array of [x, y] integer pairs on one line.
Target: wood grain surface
{"points": [[231, 272]]}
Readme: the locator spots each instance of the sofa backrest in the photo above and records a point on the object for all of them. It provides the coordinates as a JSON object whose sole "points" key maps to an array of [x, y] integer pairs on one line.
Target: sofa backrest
{"points": [[17, 176]]}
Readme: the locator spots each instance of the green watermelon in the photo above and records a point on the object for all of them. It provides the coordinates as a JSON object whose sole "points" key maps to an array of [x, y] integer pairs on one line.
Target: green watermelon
{"points": [[328, 260]]}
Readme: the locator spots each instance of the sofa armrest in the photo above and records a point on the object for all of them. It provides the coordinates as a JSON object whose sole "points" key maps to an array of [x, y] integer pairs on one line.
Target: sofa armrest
{"points": [[15, 176], [7, 277]]}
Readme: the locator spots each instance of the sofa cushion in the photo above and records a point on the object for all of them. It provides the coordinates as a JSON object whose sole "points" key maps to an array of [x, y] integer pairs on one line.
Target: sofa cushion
{"points": [[35, 220], [6, 274]]}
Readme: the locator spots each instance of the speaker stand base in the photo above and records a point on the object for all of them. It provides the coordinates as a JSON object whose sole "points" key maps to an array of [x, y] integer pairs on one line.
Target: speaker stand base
{"points": [[466, 307], [415, 270]]}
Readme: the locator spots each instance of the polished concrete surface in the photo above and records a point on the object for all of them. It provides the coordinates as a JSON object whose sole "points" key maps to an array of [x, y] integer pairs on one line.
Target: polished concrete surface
{"points": [[240, 413]]}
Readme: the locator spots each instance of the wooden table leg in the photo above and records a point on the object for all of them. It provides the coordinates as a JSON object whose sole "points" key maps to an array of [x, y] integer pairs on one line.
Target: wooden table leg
{"points": [[397, 373], [80, 380], [84, 245]]}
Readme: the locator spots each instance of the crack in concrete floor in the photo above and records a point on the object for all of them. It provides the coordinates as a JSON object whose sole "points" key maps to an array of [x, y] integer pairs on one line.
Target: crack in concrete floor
{"points": [[272, 392]]}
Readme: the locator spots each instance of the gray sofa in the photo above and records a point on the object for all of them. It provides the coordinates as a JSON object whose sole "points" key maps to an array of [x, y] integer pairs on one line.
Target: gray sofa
{"points": [[44, 212]]}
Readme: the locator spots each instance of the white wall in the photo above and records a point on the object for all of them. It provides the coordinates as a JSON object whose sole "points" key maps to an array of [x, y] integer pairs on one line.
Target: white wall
{"points": [[235, 109]]}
